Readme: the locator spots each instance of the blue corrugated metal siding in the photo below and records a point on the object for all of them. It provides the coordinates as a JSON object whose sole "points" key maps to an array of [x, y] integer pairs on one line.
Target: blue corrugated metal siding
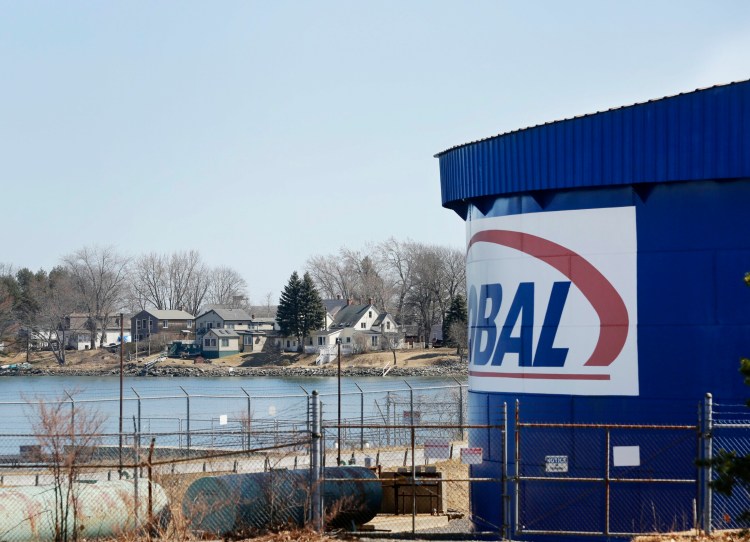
{"points": [[701, 135]]}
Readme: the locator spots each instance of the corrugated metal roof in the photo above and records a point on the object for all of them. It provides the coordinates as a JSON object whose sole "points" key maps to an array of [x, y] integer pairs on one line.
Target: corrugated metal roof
{"points": [[700, 135]]}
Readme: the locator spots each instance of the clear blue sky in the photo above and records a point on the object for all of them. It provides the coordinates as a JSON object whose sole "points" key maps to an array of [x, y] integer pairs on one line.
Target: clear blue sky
{"points": [[260, 133]]}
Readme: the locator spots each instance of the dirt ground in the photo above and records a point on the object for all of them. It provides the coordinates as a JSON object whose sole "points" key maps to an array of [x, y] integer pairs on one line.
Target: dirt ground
{"points": [[102, 359]]}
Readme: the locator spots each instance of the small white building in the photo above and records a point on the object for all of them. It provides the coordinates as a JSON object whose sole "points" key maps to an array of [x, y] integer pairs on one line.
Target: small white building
{"points": [[218, 343]]}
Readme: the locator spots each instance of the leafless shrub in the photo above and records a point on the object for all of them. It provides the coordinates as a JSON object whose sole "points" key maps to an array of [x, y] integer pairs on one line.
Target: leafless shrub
{"points": [[67, 437]]}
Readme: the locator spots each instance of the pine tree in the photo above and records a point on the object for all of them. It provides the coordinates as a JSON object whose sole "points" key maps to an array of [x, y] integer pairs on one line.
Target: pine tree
{"points": [[312, 310], [456, 314], [288, 312], [300, 311]]}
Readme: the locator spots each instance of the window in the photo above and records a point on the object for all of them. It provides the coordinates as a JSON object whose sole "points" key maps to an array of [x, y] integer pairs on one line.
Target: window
{"points": [[165, 324], [225, 342], [288, 345], [189, 324], [387, 325], [321, 341], [348, 339], [369, 314], [374, 340], [210, 325], [363, 325], [229, 326], [248, 339], [206, 342], [137, 324]]}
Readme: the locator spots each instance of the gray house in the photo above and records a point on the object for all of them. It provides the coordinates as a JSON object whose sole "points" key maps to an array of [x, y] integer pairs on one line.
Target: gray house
{"points": [[166, 325]]}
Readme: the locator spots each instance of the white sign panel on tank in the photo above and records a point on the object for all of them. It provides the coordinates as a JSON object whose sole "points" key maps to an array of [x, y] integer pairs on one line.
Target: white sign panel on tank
{"points": [[553, 302]]}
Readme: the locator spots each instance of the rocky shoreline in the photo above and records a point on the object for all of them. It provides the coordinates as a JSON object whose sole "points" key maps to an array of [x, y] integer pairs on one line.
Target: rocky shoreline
{"points": [[443, 368]]}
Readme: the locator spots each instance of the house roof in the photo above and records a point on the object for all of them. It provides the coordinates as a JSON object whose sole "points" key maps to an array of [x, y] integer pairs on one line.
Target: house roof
{"points": [[327, 332], [169, 314], [224, 333], [334, 305], [380, 318], [349, 315], [229, 314]]}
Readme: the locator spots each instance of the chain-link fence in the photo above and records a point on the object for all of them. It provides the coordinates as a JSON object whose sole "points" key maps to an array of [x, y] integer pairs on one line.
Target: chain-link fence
{"points": [[605, 479], [726, 429], [413, 467]]}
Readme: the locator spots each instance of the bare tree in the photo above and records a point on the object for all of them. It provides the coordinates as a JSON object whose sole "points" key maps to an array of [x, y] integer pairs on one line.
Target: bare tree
{"points": [[459, 333], [398, 264], [7, 301], [268, 298], [99, 275], [55, 299], [149, 281], [180, 281], [332, 276], [227, 288], [67, 440], [393, 341]]}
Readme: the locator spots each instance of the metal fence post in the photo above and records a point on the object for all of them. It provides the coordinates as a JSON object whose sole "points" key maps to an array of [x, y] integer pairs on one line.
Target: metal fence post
{"points": [[187, 398], [248, 425], [72, 410], [361, 417], [517, 489], [138, 434], [708, 469], [461, 408], [507, 534], [315, 462]]}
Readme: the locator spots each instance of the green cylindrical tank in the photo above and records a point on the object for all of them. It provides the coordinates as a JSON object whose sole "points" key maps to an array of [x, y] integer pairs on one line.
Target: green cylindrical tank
{"points": [[236, 503], [104, 509]]}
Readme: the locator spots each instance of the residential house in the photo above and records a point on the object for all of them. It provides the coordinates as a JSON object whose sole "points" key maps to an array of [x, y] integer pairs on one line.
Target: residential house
{"points": [[221, 318], [219, 342], [79, 327], [252, 331], [358, 327], [258, 332], [333, 306], [162, 325]]}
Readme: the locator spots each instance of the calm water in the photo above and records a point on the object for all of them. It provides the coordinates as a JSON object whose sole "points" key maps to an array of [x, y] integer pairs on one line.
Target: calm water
{"points": [[164, 402]]}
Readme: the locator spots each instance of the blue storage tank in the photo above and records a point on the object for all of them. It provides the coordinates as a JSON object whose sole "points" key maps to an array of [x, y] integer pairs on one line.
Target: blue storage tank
{"points": [[605, 265]]}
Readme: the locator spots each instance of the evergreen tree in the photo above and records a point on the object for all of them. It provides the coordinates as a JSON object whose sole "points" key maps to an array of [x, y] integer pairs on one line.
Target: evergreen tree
{"points": [[312, 310], [456, 314], [288, 312], [300, 311]]}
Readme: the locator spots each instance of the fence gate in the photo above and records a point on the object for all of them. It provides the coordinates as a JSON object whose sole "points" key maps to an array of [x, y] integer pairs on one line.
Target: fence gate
{"points": [[727, 429], [611, 480]]}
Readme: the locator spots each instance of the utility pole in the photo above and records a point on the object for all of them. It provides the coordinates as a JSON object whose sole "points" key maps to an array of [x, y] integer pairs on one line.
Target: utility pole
{"points": [[338, 345]]}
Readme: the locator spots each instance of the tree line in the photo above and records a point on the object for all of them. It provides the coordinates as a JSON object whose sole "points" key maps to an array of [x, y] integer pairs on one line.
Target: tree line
{"points": [[415, 282], [99, 283]]}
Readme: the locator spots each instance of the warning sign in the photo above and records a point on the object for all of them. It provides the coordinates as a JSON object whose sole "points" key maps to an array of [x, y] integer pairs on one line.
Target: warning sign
{"points": [[556, 463], [471, 456], [437, 449]]}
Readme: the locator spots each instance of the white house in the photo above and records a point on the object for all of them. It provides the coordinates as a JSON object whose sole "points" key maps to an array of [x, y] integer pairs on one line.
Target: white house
{"points": [[359, 327]]}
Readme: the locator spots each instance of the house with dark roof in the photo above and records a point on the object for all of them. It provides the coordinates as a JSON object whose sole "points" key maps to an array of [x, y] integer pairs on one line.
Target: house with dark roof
{"points": [[165, 325], [252, 331], [359, 327], [222, 318]]}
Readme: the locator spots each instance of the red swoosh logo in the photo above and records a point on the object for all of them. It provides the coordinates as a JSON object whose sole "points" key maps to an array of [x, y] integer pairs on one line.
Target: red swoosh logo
{"points": [[609, 306]]}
